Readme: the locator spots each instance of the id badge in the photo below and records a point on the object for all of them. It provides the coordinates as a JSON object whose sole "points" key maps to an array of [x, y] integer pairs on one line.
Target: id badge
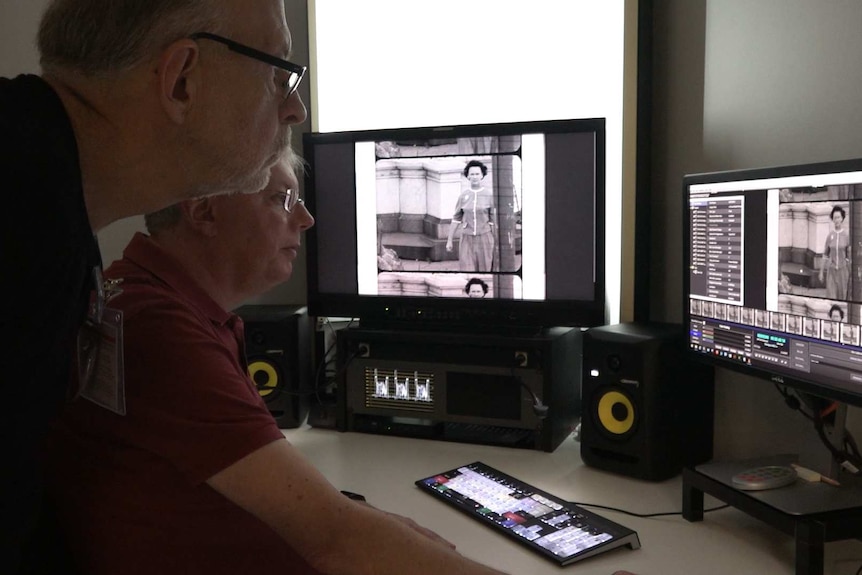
{"points": [[100, 361]]}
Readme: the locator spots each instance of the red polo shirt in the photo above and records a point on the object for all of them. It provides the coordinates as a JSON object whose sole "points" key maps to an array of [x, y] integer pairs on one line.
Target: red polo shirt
{"points": [[132, 489]]}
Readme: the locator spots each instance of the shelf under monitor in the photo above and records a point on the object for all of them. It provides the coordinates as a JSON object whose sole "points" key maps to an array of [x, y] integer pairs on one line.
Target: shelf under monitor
{"points": [[814, 513]]}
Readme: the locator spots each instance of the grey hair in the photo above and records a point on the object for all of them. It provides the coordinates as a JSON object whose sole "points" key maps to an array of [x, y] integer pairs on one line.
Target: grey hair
{"points": [[170, 216], [97, 37], [296, 163]]}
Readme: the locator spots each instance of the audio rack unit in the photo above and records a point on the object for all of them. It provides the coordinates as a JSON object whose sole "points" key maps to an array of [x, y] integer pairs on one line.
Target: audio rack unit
{"points": [[510, 390]]}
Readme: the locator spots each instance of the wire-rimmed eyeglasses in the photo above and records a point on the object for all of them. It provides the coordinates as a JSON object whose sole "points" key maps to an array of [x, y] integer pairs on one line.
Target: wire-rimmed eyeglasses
{"points": [[295, 71], [291, 200]]}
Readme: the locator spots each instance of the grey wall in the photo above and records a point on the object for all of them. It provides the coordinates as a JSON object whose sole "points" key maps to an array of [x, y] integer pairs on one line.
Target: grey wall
{"points": [[737, 83], [18, 22]]}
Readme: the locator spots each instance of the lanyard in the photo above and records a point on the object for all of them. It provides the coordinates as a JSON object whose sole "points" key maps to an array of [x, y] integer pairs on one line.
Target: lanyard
{"points": [[106, 290]]}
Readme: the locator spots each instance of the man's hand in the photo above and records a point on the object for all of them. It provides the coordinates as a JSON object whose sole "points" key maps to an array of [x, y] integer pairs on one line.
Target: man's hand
{"points": [[423, 530]]}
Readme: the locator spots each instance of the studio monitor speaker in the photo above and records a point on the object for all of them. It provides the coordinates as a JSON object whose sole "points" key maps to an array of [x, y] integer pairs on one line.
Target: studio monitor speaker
{"points": [[646, 410], [277, 347]]}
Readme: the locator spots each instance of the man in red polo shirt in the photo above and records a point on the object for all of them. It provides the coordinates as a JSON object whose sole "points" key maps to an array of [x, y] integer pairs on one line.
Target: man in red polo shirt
{"points": [[186, 471]]}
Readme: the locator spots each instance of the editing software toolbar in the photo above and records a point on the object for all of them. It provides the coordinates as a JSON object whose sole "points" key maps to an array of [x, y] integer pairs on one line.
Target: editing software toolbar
{"points": [[795, 355]]}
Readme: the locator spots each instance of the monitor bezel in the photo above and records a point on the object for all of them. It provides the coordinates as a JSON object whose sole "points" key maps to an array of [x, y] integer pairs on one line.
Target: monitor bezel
{"points": [[457, 313]]}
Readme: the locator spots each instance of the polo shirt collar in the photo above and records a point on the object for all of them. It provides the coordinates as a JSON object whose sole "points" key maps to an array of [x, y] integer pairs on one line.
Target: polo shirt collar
{"points": [[144, 252]]}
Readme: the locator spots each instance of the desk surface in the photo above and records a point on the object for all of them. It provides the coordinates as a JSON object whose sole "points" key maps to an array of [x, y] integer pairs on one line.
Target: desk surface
{"points": [[383, 468]]}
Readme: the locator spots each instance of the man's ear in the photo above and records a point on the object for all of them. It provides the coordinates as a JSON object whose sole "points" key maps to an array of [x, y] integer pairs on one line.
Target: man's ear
{"points": [[177, 67], [201, 215]]}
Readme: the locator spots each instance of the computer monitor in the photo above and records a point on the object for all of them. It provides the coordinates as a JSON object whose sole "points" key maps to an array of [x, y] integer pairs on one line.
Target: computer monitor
{"points": [[399, 210], [773, 274]]}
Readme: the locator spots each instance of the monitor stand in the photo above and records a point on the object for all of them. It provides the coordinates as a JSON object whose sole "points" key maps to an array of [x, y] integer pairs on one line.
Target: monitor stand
{"points": [[813, 513]]}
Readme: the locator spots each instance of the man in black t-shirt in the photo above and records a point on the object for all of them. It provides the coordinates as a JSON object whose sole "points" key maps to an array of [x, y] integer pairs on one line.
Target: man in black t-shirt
{"points": [[141, 103]]}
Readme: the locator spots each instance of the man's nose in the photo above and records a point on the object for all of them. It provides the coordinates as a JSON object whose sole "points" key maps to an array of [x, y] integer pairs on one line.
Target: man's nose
{"points": [[293, 110]]}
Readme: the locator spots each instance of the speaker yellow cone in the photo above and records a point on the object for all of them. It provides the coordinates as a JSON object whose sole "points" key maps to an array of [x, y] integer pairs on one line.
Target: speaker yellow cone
{"points": [[271, 380], [606, 416]]}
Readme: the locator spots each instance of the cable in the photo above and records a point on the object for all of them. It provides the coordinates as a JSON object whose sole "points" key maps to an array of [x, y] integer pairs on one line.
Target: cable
{"points": [[848, 457], [317, 387], [539, 408], [793, 402], [321, 367], [346, 364], [830, 409], [850, 445], [645, 515], [848, 460]]}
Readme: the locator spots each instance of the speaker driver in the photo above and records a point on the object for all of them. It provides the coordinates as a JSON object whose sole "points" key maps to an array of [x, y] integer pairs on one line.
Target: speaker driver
{"points": [[616, 413], [265, 377]]}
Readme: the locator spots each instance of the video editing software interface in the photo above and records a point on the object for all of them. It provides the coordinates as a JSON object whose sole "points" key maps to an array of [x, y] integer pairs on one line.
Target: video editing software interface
{"points": [[772, 279]]}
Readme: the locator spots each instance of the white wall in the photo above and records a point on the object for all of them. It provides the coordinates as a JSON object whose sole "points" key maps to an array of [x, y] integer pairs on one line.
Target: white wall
{"points": [[19, 21], [545, 61]]}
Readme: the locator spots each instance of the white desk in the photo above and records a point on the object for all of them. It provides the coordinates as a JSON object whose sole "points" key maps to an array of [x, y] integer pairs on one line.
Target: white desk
{"points": [[383, 468]]}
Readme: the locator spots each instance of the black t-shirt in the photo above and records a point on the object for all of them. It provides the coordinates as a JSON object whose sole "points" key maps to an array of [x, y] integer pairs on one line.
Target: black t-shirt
{"points": [[49, 252]]}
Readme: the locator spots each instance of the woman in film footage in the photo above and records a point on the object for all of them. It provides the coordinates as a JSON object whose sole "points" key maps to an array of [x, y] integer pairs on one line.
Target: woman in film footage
{"points": [[476, 217], [836, 257]]}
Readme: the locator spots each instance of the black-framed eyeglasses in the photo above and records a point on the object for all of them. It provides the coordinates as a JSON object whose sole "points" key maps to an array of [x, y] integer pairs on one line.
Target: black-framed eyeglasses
{"points": [[295, 71], [291, 200]]}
